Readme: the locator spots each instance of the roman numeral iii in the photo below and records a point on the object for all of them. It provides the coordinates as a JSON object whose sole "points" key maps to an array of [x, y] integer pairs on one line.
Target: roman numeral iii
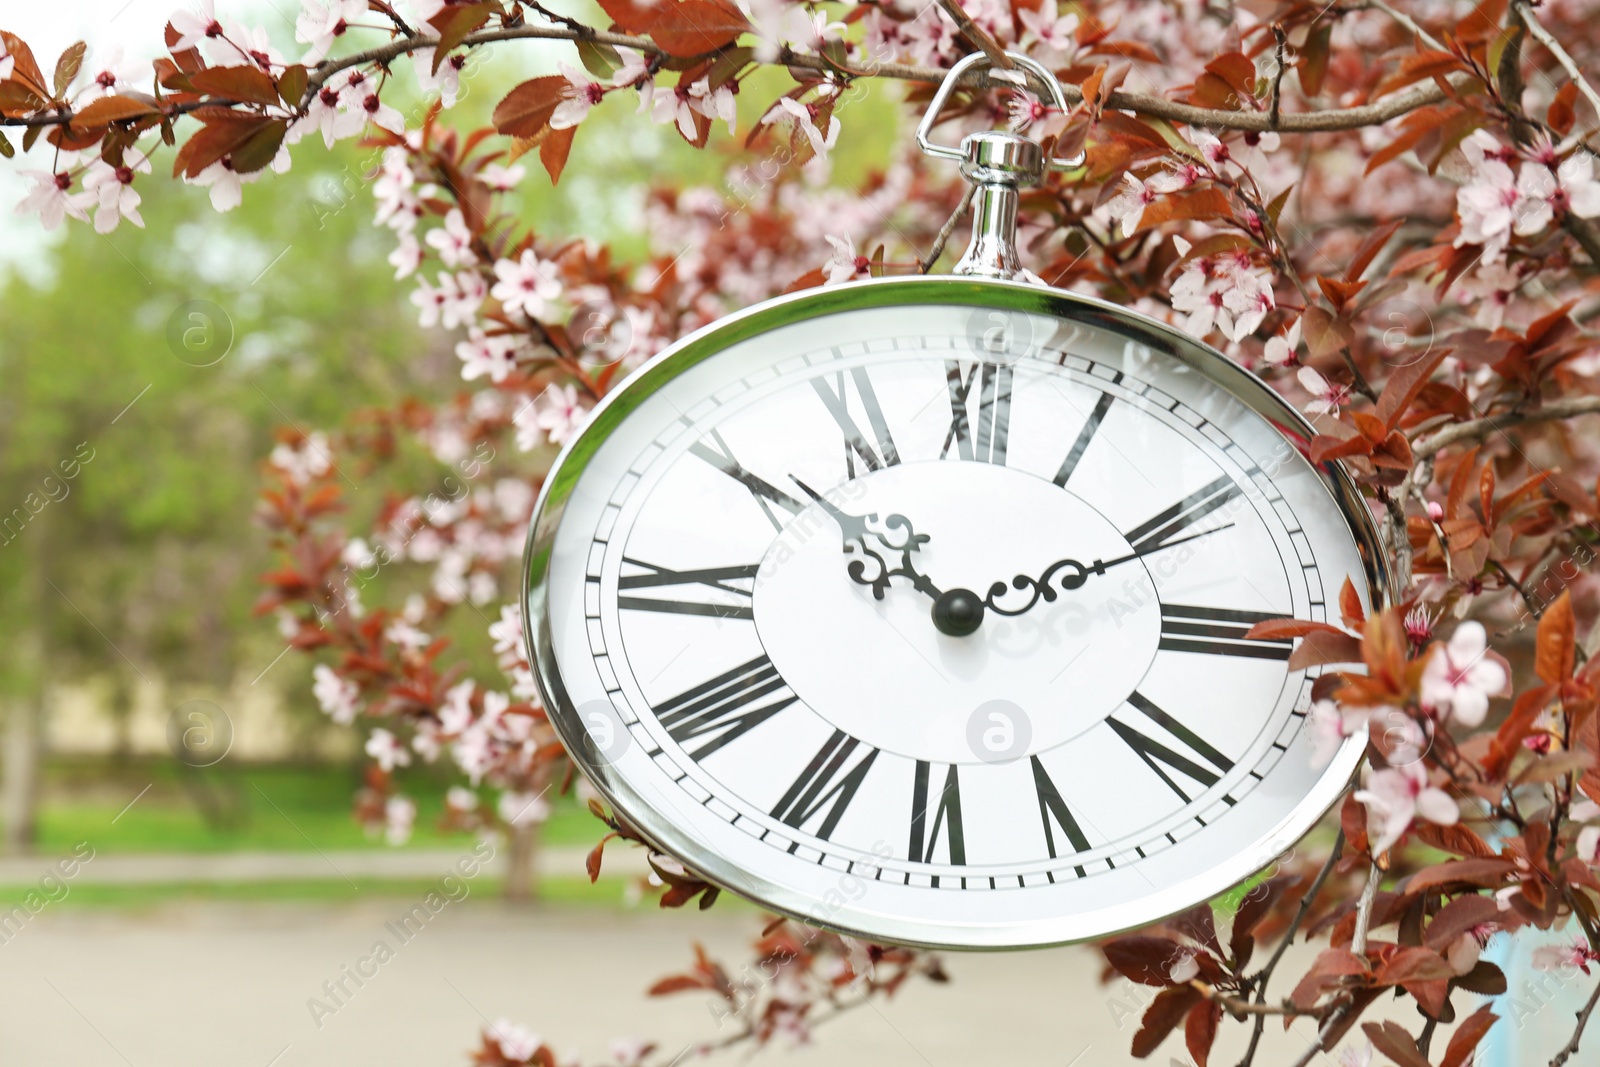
{"points": [[1218, 632]]}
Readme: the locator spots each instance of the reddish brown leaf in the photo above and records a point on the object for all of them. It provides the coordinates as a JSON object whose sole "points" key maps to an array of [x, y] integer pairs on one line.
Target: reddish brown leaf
{"points": [[1200, 1030], [1142, 958], [1313, 60], [1351, 612], [1203, 203], [1279, 629], [678, 983], [1457, 839], [1419, 66], [553, 151], [1320, 649], [1404, 384], [696, 27], [1462, 1043], [1562, 113], [1457, 917], [1165, 1012], [1416, 964], [1488, 873], [223, 132], [292, 85], [1391, 1039], [454, 24], [526, 109], [25, 69], [1557, 647], [249, 85], [112, 109]]}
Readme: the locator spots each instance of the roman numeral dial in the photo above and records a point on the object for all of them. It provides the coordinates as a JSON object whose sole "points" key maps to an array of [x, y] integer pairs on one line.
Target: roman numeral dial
{"points": [[715, 451], [937, 833]]}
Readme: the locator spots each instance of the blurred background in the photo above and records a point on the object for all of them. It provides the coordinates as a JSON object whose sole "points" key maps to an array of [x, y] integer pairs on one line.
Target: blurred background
{"points": [[182, 877]]}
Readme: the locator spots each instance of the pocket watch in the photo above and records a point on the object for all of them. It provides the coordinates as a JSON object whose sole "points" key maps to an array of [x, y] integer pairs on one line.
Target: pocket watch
{"points": [[916, 608]]}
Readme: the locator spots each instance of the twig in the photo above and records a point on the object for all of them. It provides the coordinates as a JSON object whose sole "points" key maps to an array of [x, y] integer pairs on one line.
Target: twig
{"points": [[1358, 940], [1409, 23], [1263, 976], [1477, 429], [1277, 76], [1571, 1048], [927, 262], [1537, 31], [976, 35]]}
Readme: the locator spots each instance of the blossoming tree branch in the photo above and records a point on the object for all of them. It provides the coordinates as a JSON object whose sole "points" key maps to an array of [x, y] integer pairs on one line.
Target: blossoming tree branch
{"points": [[1389, 211]]}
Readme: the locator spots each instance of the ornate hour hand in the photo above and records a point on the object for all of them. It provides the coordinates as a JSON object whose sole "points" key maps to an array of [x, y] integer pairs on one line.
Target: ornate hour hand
{"points": [[1072, 575], [859, 538]]}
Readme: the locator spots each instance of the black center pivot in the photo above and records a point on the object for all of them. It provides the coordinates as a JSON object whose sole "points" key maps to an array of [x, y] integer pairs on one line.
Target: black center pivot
{"points": [[958, 612]]}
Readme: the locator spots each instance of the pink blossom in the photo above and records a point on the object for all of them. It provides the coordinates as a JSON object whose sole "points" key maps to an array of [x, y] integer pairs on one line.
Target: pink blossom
{"points": [[487, 355], [384, 747], [503, 179], [1127, 207], [1024, 110], [675, 107], [559, 413], [526, 284], [375, 111], [1183, 969], [805, 121], [108, 74], [446, 81], [319, 24], [1588, 845], [463, 296], [1463, 953], [406, 257], [718, 103], [635, 72], [330, 115], [581, 93], [52, 198], [1489, 207], [1331, 725], [1560, 957], [844, 264], [1326, 396], [1282, 349], [1353, 1056], [453, 240], [196, 26], [1570, 188], [1462, 675], [336, 695], [305, 461], [1419, 621], [461, 799], [517, 1043], [1055, 34], [1396, 796], [399, 813], [115, 197]]}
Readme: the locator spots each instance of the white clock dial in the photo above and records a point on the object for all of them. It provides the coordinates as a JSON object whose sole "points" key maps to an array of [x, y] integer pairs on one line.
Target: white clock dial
{"points": [[931, 627]]}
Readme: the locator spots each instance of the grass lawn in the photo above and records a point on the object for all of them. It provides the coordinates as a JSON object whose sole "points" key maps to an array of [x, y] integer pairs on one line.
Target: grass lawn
{"points": [[234, 807]]}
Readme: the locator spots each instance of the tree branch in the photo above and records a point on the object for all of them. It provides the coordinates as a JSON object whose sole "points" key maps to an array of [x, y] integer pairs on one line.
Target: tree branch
{"points": [[977, 35], [1537, 31], [1477, 429], [1571, 1048], [1315, 121]]}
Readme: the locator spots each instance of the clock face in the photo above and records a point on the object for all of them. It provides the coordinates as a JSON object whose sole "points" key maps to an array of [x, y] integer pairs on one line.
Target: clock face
{"points": [[917, 609]]}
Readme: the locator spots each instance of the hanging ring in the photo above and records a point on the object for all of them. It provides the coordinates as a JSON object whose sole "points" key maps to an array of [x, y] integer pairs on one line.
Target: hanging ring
{"points": [[977, 60]]}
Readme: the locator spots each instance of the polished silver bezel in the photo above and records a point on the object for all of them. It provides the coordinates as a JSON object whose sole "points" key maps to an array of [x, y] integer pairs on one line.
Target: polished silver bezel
{"points": [[978, 293]]}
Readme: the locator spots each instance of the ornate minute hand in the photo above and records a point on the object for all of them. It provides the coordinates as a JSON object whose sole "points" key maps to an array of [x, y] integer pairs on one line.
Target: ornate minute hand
{"points": [[1076, 576], [856, 532]]}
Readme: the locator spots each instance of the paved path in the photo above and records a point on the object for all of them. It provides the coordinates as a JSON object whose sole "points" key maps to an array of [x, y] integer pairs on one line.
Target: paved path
{"points": [[227, 985], [147, 869]]}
